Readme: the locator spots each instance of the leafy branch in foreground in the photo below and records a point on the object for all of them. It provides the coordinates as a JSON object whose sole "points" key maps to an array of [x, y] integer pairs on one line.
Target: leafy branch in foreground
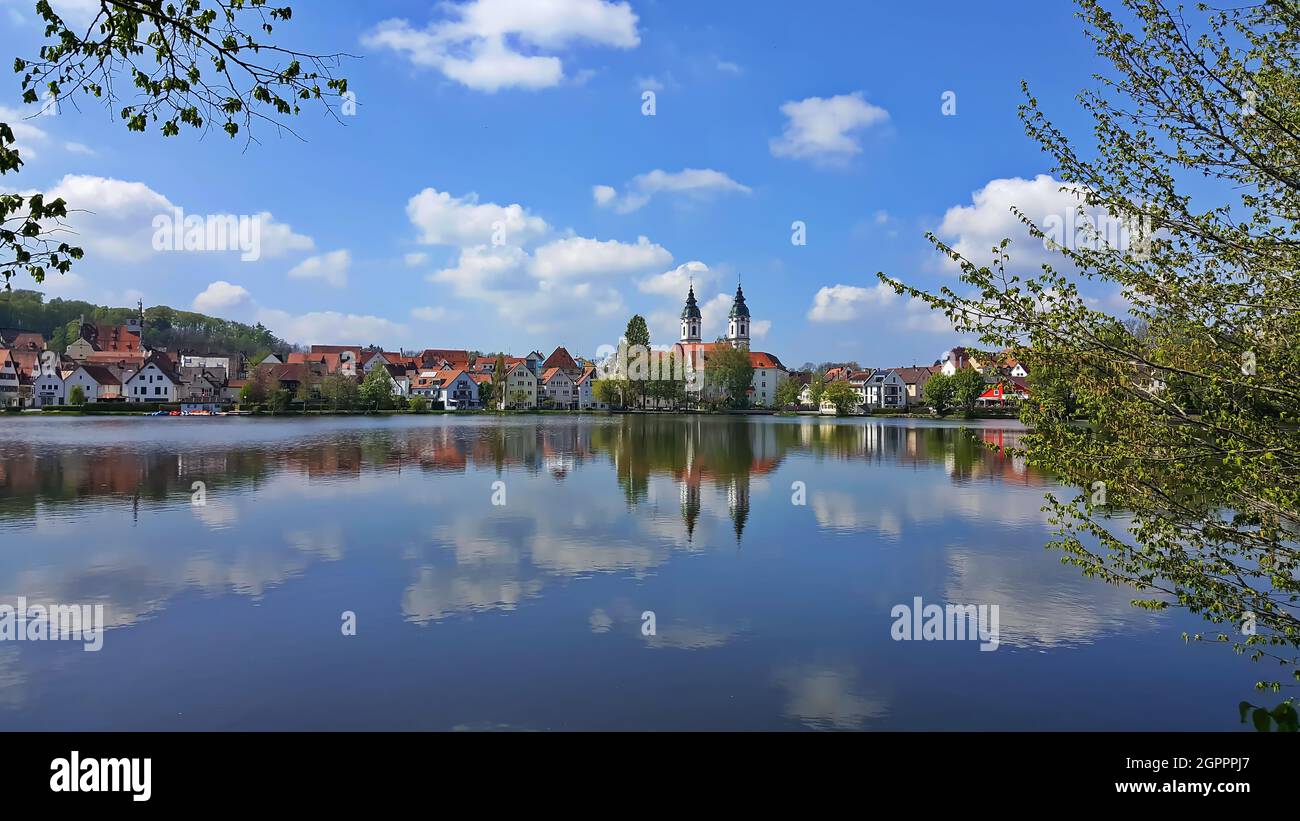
{"points": [[190, 63], [1184, 413]]}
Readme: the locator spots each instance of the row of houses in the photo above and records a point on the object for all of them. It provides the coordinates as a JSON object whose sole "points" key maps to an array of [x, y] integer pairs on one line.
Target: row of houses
{"points": [[1006, 381], [448, 377]]}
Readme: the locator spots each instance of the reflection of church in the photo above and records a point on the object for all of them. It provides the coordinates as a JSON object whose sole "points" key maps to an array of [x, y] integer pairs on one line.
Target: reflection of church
{"points": [[735, 477]]}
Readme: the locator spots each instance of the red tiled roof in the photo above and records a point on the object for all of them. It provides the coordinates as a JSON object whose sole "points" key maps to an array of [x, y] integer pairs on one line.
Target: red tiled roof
{"points": [[456, 358], [560, 358]]}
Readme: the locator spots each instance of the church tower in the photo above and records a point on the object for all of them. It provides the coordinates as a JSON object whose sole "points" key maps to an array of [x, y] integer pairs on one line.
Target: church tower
{"points": [[738, 321], [691, 318]]}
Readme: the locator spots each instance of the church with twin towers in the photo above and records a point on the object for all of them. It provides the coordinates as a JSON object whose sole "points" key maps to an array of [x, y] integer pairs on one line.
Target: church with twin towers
{"points": [[768, 370]]}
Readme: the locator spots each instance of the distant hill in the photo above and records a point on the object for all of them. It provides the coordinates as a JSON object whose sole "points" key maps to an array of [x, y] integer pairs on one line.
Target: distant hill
{"points": [[164, 327]]}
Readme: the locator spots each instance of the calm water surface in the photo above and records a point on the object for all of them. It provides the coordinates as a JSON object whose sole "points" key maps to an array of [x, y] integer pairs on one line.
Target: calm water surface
{"points": [[528, 615]]}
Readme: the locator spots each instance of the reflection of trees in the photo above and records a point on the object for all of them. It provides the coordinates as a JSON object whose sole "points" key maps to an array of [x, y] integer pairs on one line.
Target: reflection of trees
{"points": [[695, 451]]}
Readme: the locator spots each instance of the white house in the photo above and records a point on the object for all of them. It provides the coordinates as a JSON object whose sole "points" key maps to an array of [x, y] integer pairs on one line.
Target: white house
{"points": [[48, 388], [768, 373], [559, 389], [521, 387], [8, 378], [586, 396], [885, 390], [457, 390], [97, 382], [154, 382]]}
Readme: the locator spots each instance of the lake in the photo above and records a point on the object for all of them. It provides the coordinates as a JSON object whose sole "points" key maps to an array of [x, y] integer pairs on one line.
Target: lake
{"points": [[565, 573]]}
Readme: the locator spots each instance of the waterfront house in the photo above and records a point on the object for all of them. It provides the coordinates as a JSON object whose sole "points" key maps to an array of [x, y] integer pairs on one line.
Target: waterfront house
{"points": [[1007, 390], [559, 390], [457, 390], [914, 380], [155, 381], [9, 379], [48, 387], [99, 383], [884, 390], [200, 385], [520, 388], [586, 396]]}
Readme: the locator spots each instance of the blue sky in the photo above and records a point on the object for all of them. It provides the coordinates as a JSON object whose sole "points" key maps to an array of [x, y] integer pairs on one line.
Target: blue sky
{"points": [[503, 111]]}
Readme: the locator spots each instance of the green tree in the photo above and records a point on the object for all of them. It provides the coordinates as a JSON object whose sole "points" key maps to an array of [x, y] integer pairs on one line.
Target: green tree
{"points": [[842, 395], [279, 400], [637, 335], [787, 393], [817, 386], [418, 404], [77, 396], [729, 372], [939, 393], [967, 385], [498, 391], [339, 392], [377, 389], [1190, 406], [611, 391], [192, 64], [256, 390]]}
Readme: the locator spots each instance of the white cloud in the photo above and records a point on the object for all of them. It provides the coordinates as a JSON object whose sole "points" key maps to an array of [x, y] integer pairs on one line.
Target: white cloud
{"points": [[728, 67], [822, 128], [447, 220], [331, 268], [483, 268], [220, 296], [480, 43], [113, 219], [697, 183], [674, 283], [579, 257], [279, 239], [429, 314], [322, 325], [840, 303], [415, 260], [714, 314], [974, 230]]}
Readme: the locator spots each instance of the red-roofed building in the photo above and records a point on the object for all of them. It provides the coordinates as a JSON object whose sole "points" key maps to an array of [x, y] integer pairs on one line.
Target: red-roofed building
{"points": [[443, 357], [558, 389], [1009, 390], [108, 339], [768, 370], [561, 359]]}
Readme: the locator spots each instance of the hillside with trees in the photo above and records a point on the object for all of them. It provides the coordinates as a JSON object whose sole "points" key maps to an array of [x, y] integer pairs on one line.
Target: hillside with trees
{"points": [[165, 327]]}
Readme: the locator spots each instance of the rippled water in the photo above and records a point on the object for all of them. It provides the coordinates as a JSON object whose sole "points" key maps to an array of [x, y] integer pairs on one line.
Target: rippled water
{"points": [[529, 614]]}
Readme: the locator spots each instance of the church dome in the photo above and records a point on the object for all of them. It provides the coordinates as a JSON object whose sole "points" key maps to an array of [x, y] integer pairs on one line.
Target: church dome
{"points": [[692, 310], [738, 306]]}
